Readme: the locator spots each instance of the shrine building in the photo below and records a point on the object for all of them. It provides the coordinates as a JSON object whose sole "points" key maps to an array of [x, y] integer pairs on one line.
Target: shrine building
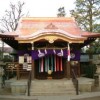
{"points": [[49, 47], [42, 45]]}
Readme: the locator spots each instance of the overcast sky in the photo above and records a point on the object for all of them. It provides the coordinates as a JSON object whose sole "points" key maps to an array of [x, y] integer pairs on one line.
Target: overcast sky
{"points": [[40, 8]]}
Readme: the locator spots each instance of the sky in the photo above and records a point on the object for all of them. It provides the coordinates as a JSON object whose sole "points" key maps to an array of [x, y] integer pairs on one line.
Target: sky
{"points": [[40, 8]]}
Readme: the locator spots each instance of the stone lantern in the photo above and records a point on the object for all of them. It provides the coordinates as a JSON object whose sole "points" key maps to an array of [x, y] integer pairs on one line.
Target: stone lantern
{"points": [[98, 69], [1, 73]]}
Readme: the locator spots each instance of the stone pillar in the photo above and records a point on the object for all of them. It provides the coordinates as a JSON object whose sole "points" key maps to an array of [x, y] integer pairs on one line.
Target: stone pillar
{"points": [[98, 69], [98, 73], [1, 74], [0, 81]]}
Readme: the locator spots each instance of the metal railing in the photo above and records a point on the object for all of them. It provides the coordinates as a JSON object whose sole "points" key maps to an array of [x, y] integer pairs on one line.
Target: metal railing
{"points": [[75, 82], [29, 83]]}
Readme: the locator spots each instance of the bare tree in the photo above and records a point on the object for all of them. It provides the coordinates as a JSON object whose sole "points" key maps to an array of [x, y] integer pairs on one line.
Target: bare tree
{"points": [[9, 22]]}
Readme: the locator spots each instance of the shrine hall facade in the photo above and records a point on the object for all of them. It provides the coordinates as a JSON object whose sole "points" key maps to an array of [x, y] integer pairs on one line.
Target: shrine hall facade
{"points": [[44, 44]]}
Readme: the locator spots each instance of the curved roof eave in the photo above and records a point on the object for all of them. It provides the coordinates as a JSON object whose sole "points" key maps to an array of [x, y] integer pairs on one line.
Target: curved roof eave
{"points": [[90, 34], [9, 34], [51, 35], [50, 32]]}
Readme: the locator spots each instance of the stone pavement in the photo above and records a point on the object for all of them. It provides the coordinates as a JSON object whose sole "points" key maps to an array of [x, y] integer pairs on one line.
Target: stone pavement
{"points": [[5, 91], [85, 96]]}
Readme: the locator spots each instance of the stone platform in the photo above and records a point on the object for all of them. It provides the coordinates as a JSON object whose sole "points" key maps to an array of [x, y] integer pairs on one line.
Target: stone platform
{"points": [[86, 84], [50, 86]]}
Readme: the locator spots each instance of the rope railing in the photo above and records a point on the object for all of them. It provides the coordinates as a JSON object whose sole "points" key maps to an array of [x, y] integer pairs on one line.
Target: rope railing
{"points": [[29, 83], [75, 82]]}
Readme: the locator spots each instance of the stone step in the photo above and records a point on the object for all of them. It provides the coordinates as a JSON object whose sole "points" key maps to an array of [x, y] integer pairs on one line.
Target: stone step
{"points": [[51, 90], [52, 87], [53, 93]]}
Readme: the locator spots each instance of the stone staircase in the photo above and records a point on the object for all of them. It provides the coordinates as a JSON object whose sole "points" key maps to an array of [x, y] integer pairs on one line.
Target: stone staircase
{"points": [[52, 87]]}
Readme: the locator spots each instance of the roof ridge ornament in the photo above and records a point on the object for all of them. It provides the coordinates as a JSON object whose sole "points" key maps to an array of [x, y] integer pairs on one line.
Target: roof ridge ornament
{"points": [[51, 26]]}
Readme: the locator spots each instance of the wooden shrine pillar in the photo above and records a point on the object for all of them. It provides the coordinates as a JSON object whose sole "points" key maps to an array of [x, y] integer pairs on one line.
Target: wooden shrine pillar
{"points": [[79, 69], [68, 70], [68, 62], [33, 67], [33, 70]]}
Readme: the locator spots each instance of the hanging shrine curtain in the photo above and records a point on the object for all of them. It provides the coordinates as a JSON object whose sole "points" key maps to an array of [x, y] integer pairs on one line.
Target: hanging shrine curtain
{"points": [[51, 62], [37, 54], [51, 59]]}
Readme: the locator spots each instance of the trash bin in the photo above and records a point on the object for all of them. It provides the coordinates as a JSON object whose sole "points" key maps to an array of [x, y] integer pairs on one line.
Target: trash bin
{"points": [[96, 77]]}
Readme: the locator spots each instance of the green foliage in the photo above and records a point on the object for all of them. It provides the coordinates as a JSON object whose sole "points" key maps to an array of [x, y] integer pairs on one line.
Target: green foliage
{"points": [[61, 12], [87, 14], [97, 28], [94, 47], [89, 70], [90, 50]]}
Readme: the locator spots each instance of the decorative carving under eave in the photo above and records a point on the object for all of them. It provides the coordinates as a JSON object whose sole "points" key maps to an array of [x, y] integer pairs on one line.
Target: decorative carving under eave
{"points": [[51, 26], [51, 39]]}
